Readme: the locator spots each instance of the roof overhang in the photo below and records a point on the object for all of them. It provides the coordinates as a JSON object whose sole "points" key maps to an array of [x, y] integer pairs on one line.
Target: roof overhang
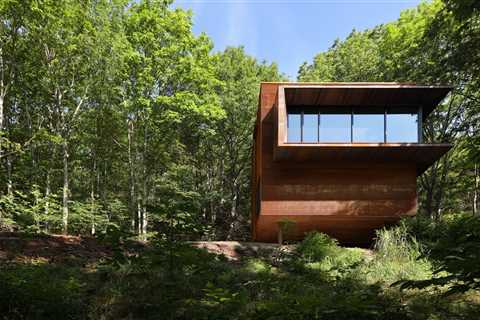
{"points": [[364, 94], [357, 94]]}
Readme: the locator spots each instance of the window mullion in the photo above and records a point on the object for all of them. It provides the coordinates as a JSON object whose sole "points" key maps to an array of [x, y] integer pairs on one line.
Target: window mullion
{"points": [[301, 127], [385, 126], [351, 125], [420, 124], [318, 126]]}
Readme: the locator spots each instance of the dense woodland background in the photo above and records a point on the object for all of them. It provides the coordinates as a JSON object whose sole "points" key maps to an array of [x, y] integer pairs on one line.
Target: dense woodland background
{"points": [[112, 113]]}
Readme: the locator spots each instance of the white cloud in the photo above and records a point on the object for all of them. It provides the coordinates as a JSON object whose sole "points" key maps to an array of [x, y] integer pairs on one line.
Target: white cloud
{"points": [[241, 26]]}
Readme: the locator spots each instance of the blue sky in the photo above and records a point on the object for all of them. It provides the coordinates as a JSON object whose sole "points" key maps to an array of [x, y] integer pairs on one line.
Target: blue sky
{"points": [[288, 32]]}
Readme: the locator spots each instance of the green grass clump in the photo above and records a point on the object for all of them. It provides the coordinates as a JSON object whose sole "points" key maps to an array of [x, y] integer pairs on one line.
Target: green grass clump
{"points": [[397, 256]]}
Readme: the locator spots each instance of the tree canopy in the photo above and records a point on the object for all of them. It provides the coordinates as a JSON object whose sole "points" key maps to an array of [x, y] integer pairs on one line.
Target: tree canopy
{"points": [[114, 114]]}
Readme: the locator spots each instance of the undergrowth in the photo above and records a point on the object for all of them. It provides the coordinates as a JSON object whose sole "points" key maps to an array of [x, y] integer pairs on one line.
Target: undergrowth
{"points": [[318, 279]]}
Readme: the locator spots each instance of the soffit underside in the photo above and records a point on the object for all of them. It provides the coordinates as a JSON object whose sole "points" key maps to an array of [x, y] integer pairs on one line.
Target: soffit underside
{"points": [[419, 155]]}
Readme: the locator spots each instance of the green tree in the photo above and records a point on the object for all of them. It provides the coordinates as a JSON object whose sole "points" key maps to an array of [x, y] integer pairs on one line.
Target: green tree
{"points": [[169, 98], [356, 59], [228, 175]]}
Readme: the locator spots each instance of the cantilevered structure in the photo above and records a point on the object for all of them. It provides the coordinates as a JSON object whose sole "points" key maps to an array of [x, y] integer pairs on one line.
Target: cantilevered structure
{"points": [[340, 158]]}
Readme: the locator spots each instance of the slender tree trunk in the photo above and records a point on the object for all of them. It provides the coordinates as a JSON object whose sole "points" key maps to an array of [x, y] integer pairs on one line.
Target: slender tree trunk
{"points": [[131, 181], [2, 99], [145, 222], [66, 188], [144, 217], [33, 147], [429, 184], [139, 218], [92, 200], [475, 191], [1, 125], [441, 185], [92, 195], [102, 189], [8, 159], [9, 176], [233, 210], [3, 93], [47, 197]]}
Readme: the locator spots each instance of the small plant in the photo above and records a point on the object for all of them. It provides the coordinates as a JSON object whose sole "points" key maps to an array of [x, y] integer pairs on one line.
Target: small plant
{"points": [[285, 229], [316, 246], [397, 244]]}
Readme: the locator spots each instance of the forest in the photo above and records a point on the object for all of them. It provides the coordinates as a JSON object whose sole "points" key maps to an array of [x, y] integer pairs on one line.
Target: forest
{"points": [[123, 131]]}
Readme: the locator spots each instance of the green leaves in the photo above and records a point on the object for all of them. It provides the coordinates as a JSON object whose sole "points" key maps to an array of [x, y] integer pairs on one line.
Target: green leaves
{"points": [[357, 58], [454, 247]]}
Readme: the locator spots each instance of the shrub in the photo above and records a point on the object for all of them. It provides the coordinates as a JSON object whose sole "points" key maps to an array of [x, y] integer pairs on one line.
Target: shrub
{"points": [[316, 246], [456, 255], [321, 254], [41, 292]]}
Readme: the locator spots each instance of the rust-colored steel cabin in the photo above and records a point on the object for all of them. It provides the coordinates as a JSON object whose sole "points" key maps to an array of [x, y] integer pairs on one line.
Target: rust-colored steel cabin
{"points": [[340, 158]]}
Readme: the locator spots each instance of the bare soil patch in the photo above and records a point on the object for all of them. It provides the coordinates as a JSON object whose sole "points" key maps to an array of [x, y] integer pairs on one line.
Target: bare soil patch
{"points": [[17, 247]]}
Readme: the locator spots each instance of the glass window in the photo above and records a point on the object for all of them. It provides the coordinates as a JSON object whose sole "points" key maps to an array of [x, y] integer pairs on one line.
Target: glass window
{"points": [[335, 125], [310, 126], [368, 125], [294, 126], [402, 124]]}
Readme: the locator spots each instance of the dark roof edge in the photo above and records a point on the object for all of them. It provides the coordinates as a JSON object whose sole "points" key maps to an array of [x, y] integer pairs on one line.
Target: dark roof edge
{"points": [[359, 84]]}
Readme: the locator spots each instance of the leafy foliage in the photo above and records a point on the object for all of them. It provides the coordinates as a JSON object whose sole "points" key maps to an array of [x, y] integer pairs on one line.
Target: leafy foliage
{"points": [[139, 282], [454, 246], [114, 112], [42, 292], [317, 246]]}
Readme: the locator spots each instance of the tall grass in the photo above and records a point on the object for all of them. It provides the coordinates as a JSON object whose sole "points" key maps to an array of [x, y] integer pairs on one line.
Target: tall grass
{"points": [[397, 255]]}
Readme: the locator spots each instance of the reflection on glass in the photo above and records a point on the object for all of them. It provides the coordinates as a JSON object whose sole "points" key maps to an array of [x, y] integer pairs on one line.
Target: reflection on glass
{"points": [[293, 127], [335, 127], [310, 127], [335, 124], [402, 125], [368, 127]]}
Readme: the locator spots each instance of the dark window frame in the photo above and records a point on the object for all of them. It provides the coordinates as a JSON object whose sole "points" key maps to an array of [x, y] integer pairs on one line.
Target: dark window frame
{"points": [[301, 110]]}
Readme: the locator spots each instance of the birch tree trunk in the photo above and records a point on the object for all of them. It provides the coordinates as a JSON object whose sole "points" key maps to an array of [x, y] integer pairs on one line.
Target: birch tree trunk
{"points": [[131, 180], [92, 195], [475, 190], [1, 122], [144, 217], [233, 211], [9, 176], [66, 188], [5, 82], [2, 99], [47, 197]]}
